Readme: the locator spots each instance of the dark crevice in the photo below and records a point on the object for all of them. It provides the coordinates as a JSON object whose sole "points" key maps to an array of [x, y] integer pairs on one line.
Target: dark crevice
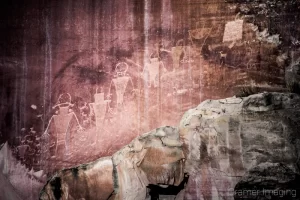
{"points": [[171, 190]]}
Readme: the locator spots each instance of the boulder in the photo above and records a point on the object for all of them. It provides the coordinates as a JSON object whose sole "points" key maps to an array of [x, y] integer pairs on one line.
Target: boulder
{"points": [[225, 139], [154, 158]]}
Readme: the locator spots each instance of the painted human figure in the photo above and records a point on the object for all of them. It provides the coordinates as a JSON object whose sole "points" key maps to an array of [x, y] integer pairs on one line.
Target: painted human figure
{"points": [[152, 71], [62, 124], [177, 53], [99, 109], [119, 85], [181, 53]]}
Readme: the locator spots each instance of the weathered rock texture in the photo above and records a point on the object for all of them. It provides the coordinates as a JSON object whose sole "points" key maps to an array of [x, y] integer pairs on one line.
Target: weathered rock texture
{"points": [[155, 158], [226, 139], [292, 77], [268, 181], [91, 181], [228, 148]]}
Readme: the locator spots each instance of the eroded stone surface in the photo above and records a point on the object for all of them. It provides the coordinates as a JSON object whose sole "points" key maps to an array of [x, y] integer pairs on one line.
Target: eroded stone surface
{"points": [[268, 181], [224, 146], [292, 77], [154, 158], [226, 138]]}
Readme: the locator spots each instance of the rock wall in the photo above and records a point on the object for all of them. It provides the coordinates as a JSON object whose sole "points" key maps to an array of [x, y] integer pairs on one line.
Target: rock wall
{"points": [[74, 47], [81, 79]]}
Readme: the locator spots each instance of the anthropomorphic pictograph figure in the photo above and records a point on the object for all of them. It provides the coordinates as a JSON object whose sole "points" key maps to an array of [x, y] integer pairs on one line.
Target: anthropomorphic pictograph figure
{"points": [[119, 85], [181, 54], [99, 109], [177, 54], [152, 71], [62, 124]]}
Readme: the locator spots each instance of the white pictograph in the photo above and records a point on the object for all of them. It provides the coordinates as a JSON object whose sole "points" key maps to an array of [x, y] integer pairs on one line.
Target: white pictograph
{"points": [[151, 71], [181, 54], [61, 123], [233, 30], [120, 83], [99, 109], [199, 32]]}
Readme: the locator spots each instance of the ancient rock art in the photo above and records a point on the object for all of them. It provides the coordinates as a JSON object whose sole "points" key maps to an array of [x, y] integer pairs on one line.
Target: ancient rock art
{"points": [[120, 83], [187, 55], [85, 113], [99, 109], [180, 54], [152, 71], [59, 127], [199, 32], [233, 30], [177, 52]]}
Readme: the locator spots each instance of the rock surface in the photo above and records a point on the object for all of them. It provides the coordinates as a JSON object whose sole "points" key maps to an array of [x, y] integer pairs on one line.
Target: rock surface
{"points": [[292, 77], [154, 158], [228, 139], [223, 149], [268, 181]]}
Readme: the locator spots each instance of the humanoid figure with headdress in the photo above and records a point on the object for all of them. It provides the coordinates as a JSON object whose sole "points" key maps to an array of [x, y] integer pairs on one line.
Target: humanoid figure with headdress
{"points": [[99, 109], [153, 68], [120, 86], [62, 125]]}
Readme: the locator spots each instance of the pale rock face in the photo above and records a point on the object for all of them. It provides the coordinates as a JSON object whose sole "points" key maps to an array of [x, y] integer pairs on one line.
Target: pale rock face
{"points": [[227, 138]]}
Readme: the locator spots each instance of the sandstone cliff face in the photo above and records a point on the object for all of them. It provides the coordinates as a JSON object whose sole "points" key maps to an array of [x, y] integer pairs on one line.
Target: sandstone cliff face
{"points": [[232, 142]]}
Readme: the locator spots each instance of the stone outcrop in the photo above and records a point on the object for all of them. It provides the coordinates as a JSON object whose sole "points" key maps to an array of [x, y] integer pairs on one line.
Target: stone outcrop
{"points": [[228, 139], [154, 158], [221, 149]]}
